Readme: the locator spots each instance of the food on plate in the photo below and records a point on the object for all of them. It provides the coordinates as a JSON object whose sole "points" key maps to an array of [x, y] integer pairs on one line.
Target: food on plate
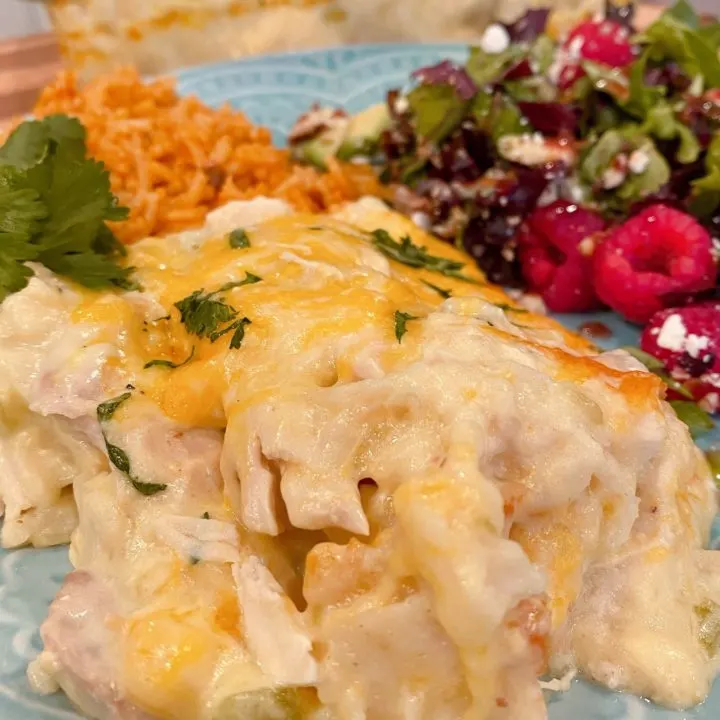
{"points": [[686, 341], [324, 470], [582, 166], [172, 159]]}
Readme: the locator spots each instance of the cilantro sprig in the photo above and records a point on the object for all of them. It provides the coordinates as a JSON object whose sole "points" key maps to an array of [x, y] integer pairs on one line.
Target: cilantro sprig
{"points": [[401, 321], [207, 316], [54, 206], [407, 253], [118, 457], [169, 363]]}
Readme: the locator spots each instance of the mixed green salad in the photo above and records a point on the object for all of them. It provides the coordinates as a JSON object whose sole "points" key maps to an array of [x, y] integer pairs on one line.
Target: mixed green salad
{"points": [[584, 169]]}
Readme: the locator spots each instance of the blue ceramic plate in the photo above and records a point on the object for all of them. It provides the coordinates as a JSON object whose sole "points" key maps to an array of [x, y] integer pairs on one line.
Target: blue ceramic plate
{"points": [[273, 91]]}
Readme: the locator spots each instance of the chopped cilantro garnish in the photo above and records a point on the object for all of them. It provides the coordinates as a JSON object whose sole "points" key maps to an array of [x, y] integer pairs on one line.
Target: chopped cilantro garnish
{"points": [[205, 316], [238, 335], [170, 363], [107, 409], [202, 315], [54, 205], [238, 238], [401, 321], [440, 291], [407, 253], [118, 457], [249, 279]]}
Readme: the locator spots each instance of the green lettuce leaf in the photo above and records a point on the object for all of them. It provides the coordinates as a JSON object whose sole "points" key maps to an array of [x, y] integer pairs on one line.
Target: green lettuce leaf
{"points": [[497, 115], [705, 197], [487, 68], [676, 35], [437, 111], [662, 123], [636, 185]]}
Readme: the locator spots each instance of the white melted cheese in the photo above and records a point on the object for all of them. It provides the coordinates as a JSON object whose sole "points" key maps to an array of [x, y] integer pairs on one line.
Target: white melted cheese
{"points": [[331, 523]]}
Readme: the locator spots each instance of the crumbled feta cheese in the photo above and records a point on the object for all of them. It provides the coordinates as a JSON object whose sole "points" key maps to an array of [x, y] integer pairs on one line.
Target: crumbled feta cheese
{"points": [[575, 48], [572, 190], [513, 220], [495, 39], [715, 249], [695, 344], [612, 178], [421, 220], [402, 104], [638, 162], [672, 334], [549, 195]]}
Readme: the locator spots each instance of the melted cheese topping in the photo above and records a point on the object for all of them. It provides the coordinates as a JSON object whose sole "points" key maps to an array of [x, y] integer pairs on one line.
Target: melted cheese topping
{"points": [[344, 521], [321, 272]]}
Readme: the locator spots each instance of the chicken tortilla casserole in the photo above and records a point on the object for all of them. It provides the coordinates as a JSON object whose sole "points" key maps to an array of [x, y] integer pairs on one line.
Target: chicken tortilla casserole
{"points": [[315, 467]]}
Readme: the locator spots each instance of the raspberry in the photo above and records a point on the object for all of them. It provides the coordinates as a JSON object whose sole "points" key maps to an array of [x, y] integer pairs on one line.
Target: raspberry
{"points": [[555, 249], [655, 260], [687, 341], [605, 42]]}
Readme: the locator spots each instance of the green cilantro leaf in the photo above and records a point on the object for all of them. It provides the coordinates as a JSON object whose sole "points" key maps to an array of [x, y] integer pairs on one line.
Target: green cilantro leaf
{"points": [[249, 279], [202, 315], [26, 146], [445, 294], [401, 321], [106, 410], [54, 203], [119, 458], [169, 363], [239, 327], [407, 253], [238, 238], [207, 317], [239, 334]]}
